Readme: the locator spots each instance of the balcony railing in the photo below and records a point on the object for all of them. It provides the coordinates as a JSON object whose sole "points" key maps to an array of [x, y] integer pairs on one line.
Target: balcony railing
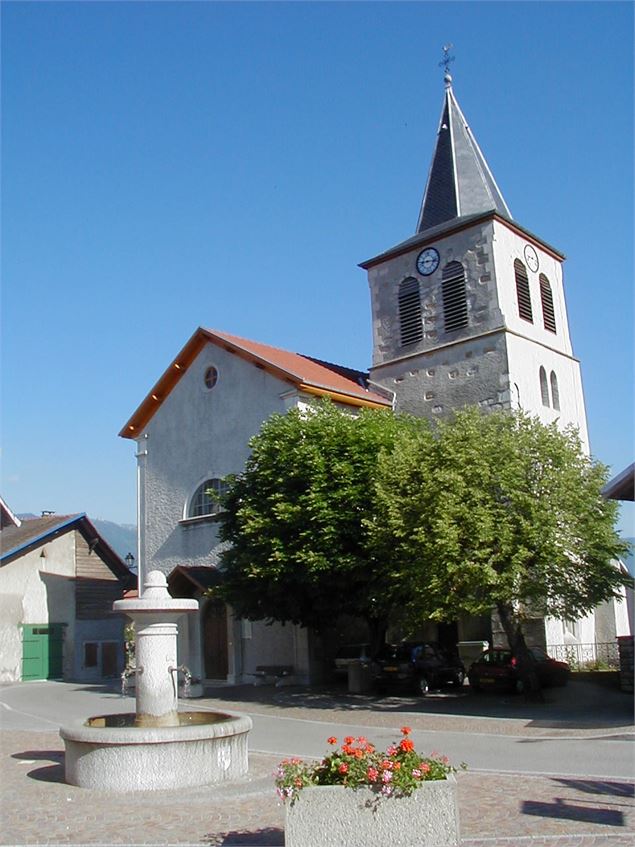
{"points": [[599, 656]]}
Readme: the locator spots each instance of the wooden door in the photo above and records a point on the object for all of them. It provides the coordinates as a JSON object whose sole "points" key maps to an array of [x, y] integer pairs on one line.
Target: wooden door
{"points": [[42, 651], [215, 640]]}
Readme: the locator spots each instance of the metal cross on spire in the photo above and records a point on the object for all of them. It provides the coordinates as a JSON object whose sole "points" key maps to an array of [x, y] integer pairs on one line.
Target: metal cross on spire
{"points": [[445, 63]]}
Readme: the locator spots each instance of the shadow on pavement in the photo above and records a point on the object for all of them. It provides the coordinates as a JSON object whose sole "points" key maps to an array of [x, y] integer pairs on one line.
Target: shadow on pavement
{"points": [[581, 704], [596, 786], [562, 810], [50, 773], [269, 837]]}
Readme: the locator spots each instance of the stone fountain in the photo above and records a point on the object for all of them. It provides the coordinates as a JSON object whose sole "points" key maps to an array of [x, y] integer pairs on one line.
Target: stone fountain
{"points": [[157, 747]]}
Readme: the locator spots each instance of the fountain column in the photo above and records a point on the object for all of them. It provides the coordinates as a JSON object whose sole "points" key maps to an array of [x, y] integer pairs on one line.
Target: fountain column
{"points": [[155, 614]]}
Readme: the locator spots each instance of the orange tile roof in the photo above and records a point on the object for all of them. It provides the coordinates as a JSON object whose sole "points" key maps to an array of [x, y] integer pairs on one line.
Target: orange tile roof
{"points": [[306, 374]]}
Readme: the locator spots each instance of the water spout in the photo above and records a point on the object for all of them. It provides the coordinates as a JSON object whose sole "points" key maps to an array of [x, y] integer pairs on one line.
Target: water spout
{"points": [[125, 675], [187, 678]]}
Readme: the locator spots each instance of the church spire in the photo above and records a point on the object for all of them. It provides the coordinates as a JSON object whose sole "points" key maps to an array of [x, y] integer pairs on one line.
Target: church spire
{"points": [[460, 182]]}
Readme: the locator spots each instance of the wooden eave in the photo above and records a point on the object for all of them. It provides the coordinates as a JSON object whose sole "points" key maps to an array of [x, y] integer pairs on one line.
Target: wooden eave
{"points": [[136, 424]]}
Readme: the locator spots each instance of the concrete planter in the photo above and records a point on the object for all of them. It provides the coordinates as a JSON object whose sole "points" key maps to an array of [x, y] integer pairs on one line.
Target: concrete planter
{"points": [[332, 816]]}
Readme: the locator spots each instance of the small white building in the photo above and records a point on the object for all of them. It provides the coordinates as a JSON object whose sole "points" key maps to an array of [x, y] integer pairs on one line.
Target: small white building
{"points": [[58, 580]]}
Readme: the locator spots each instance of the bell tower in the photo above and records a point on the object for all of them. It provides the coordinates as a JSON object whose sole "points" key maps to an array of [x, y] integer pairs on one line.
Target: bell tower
{"points": [[470, 310]]}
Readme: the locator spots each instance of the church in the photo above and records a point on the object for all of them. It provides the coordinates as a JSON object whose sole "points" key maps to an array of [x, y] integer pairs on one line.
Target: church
{"points": [[470, 310]]}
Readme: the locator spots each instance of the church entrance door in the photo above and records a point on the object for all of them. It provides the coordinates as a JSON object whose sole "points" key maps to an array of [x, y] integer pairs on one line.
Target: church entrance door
{"points": [[215, 640]]}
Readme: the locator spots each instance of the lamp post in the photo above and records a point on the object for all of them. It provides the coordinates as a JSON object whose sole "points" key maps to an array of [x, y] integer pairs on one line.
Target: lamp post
{"points": [[129, 560]]}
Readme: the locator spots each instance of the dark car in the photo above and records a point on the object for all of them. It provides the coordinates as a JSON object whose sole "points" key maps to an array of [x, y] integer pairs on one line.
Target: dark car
{"points": [[499, 669], [417, 666]]}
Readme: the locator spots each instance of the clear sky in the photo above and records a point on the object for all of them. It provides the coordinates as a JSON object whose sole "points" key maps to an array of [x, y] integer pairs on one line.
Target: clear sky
{"points": [[170, 165]]}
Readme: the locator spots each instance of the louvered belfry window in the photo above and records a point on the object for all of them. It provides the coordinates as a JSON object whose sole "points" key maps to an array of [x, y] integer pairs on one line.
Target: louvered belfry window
{"points": [[546, 298], [410, 323], [454, 296], [522, 292]]}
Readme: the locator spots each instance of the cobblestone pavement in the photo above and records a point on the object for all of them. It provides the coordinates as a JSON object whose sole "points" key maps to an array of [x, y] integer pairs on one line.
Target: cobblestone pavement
{"points": [[496, 810]]}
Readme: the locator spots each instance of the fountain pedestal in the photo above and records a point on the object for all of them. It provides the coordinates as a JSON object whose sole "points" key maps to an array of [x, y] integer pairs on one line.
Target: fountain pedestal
{"points": [[157, 747], [154, 615]]}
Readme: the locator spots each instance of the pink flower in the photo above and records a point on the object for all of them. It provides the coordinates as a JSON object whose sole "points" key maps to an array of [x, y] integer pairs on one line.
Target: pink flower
{"points": [[386, 776], [391, 750], [372, 773], [343, 768]]}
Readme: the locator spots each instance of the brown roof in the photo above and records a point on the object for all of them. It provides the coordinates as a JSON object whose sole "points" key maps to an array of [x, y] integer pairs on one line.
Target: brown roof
{"points": [[15, 541], [310, 375]]}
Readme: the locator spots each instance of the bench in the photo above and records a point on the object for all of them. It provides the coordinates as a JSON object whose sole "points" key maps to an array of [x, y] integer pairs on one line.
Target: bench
{"points": [[265, 673]]}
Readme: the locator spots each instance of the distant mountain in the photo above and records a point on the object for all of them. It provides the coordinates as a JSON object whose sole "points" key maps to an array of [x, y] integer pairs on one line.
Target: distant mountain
{"points": [[122, 537]]}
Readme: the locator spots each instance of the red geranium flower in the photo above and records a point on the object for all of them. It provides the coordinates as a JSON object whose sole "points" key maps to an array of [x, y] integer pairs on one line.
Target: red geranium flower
{"points": [[331, 740], [343, 768], [407, 744], [405, 730]]}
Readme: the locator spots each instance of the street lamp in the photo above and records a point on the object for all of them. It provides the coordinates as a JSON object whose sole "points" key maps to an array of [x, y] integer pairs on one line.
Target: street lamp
{"points": [[129, 560]]}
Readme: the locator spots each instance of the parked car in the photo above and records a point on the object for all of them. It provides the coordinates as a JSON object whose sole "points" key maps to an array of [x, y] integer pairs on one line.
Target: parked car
{"points": [[499, 669], [350, 653], [418, 666]]}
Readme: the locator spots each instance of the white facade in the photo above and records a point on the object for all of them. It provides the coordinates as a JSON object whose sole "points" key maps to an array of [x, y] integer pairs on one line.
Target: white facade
{"points": [[37, 588], [199, 434]]}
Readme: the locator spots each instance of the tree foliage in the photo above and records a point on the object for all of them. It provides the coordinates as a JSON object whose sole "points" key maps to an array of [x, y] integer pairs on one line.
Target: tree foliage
{"points": [[498, 511], [298, 519], [381, 515]]}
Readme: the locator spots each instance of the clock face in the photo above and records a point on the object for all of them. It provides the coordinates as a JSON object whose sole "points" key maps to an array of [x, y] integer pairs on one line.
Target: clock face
{"points": [[531, 257], [427, 261]]}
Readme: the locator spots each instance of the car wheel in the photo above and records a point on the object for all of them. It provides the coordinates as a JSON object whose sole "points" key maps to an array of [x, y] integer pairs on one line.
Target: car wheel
{"points": [[422, 686], [459, 679]]}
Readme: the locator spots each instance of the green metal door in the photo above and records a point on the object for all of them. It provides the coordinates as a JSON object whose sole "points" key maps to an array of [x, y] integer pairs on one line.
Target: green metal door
{"points": [[42, 651]]}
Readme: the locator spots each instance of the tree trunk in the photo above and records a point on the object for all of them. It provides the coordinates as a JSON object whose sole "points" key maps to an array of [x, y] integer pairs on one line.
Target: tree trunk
{"points": [[377, 629], [526, 662]]}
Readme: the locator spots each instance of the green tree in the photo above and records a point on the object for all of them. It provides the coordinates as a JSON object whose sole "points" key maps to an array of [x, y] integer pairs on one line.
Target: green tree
{"points": [[298, 520], [498, 512]]}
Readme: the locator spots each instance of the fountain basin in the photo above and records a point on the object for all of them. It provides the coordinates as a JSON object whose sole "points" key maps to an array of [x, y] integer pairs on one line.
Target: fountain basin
{"points": [[204, 749]]}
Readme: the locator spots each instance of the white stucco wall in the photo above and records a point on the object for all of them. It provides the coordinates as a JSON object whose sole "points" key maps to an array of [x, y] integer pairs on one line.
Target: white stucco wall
{"points": [[195, 435], [525, 359], [507, 246], [37, 589]]}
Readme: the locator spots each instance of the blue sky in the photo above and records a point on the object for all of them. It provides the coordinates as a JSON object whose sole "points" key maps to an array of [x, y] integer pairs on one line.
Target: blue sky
{"points": [[170, 165]]}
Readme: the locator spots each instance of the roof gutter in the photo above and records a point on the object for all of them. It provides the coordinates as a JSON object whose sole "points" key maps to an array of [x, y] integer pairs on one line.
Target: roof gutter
{"points": [[343, 398]]}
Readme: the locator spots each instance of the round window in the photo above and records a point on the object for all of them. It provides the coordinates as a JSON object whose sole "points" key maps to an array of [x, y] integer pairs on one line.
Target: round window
{"points": [[211, 377]]}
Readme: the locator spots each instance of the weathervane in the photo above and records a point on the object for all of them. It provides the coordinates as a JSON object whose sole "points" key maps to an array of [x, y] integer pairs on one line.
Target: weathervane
{"points": [[445, 63]]}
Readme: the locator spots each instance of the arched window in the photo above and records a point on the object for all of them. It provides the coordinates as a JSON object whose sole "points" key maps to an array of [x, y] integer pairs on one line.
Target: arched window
{"points": [[546, 298], [454, 296], [409, 302], [522, 292], [205, 498], [555, 393], [544, 388]]}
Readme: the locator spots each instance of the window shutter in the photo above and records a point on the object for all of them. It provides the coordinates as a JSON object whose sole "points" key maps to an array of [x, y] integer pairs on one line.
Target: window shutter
{"points": [[522, 292], [546, 298], [454, 296], [409, 302]]}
